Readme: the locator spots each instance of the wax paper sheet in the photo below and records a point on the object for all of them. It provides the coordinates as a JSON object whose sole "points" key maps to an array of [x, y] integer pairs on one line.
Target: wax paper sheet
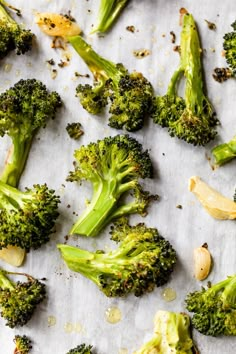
{"points": [[74, 311]]}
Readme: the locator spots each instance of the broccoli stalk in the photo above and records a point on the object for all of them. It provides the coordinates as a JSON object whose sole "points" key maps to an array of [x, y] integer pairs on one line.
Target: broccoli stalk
{"points": [[81, 349], [26, 218], [18, 300], [142, 261], [108, 13], [190, 118], [214, 308], [12, 35], [130, 94], [23, 344], [172, 335], [229, 45], [113, 166], [225, 152], [24, 108]]}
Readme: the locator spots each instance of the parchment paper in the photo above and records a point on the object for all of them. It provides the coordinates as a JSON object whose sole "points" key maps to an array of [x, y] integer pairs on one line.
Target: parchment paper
{"points": [[75, 303]]}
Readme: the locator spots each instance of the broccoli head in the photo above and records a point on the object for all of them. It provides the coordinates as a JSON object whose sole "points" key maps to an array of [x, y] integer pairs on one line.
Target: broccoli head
{"points": [[74, 130], [81, 349], [27, 218], [24, 108], [130, 95], [18, 300], [229, 45], [13, 36], [214, 308], [23, 344], [113, 166], [191, 117], [108, 14], [224, 153], [142, 261], [171, 335]]}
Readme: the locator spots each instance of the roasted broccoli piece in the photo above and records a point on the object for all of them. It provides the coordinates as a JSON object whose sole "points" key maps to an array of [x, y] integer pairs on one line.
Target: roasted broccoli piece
{"points": [[81, 349], [190, 118], [13, 36], [24, 108], [214, 308], [74, 130], [225, 152], [26, 218], [142, 261], [18, 300], [171, 335], [23, 344], [113, 166], [229, 45], [130, 95], [109, 11]]}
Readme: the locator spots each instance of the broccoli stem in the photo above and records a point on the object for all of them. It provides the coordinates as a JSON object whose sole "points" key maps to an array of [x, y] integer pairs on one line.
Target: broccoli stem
{"points": [[97, 213], [5, 283], [101, 68], [4, 16], [108, 12], [172, 90], [14, 198], [190, 62], [225, 152], [16, 162]]}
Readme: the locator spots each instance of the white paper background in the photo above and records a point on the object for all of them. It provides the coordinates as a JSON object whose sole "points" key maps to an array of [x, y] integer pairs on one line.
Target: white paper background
{"points": [[72, 298]]}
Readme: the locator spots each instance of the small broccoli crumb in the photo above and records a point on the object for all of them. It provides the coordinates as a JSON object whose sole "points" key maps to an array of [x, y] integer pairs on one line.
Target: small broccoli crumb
{"points": [[211, 25], [179, 206], [142, 53], [50, 62], [74, 130], [173, 37], [130, 29], [23, 344]]}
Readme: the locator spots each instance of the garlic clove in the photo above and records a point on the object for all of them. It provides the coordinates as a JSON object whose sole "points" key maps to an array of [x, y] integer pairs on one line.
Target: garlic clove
{"points": [[202, 263]]}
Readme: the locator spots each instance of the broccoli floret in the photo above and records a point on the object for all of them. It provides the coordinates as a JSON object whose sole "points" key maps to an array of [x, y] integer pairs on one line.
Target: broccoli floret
{"points": [[24, 108], [225, 152], [229, 45], [23, 344], [27, 218], [13, 37], [81, 349], [171, 335], [190, 118], [108, 14], [130, 95], [18, 300], [113, 166], [214, 308], [142, 261], [74, 130]]}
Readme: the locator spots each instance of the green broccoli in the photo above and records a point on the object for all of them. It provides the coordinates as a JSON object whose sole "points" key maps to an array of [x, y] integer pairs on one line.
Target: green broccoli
{"points": [[142, 261], [130, 95], [190, 118], [26, 218], [229, 45], [172, 335], [23, 344], [214, 308], [13, 36], [24, 108], [81, 349], [113, 166], [18, 300], [225, 152], [74, 130], [108, 13]]}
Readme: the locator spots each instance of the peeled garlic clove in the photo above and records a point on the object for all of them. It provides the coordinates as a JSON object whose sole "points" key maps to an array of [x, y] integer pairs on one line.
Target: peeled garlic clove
{"points": [[13, 255], [56, 25], [202, 263]]}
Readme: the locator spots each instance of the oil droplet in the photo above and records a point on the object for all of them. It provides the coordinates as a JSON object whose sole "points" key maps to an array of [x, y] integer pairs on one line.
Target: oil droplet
{"points": [[169, 294], [78, 327], [68, 327], [51, 321], [113, 315], [123, 351], [7, 68], [18, 73]]}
